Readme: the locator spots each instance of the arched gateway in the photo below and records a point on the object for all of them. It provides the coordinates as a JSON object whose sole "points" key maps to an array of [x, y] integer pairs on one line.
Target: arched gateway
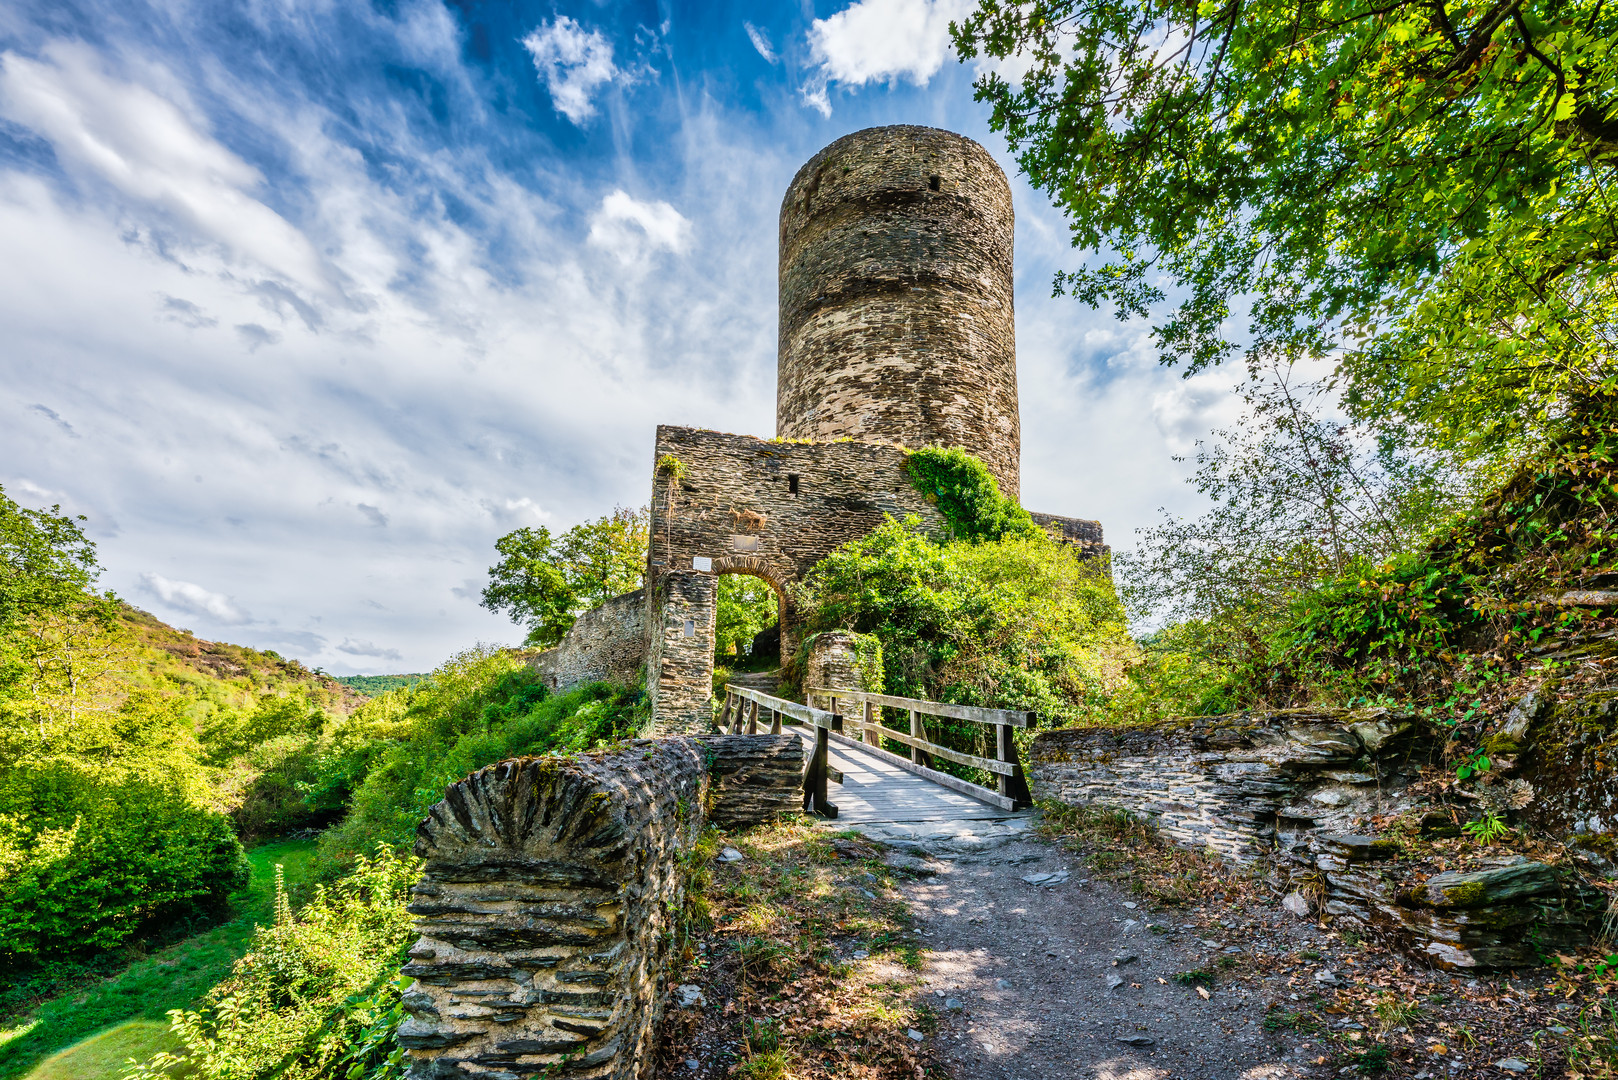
{"points": [[896, 333]]}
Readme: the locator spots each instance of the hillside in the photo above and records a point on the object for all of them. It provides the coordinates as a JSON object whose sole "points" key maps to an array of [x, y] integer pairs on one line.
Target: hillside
{"points": [[228, 675]]}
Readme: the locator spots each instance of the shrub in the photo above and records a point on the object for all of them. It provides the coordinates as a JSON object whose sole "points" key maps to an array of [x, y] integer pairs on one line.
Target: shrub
{"points": [[108, 863], [1022, 622], [967, 494], [482, 706], [316, 995]]}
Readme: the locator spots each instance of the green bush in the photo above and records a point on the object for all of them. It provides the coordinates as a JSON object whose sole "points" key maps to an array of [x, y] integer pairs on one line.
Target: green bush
{"points": [[94, 870], [317, 994], [967, 494], [1022, 622], [482, 706]]}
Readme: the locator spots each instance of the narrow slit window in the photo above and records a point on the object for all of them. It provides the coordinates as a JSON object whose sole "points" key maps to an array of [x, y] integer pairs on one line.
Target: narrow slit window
{"points": [[935, 183], [792, 483]]}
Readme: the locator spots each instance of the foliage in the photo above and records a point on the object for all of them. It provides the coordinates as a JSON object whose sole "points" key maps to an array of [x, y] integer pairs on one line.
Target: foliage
{"points": [[967, 494], [1425, 186], [91, 867], [316, 995], [1487, 829], [1300, 569], [47, 566], [49, 1007], [743, 607], [398, 752], [1021, 622], [545, 583], [371, 685]]}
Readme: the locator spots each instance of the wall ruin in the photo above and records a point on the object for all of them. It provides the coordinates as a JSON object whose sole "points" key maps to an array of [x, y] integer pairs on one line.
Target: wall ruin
{"points": [[607, 644], [548, 897]]}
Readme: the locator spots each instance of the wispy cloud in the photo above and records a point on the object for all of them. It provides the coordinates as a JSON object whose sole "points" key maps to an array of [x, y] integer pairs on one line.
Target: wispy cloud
{"points": [[367, 649], [574, 62], [192, 599], [54, 417], [761, 42]]}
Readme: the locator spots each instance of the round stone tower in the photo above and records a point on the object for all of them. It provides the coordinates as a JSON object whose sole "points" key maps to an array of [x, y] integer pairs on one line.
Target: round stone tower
{"points": [[896, 316]]}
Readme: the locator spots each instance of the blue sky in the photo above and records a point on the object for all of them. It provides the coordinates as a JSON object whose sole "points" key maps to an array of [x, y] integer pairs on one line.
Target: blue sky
{"points": [[303, 304]]}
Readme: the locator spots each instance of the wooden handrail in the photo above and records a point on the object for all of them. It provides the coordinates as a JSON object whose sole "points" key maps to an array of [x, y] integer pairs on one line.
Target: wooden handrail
{"points": [[1011, 785], [814, 717], [817, 771], [976, 713]]}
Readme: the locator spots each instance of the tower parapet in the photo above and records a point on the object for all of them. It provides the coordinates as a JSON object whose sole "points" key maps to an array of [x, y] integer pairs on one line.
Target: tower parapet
{"points": [[896, 298]]}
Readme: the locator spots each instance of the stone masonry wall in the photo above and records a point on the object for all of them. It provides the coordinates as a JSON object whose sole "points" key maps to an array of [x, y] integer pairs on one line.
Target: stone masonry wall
{"points": [[1300, 786], [548, 886], [544, 906], [896, 297], [1240, 785], [1082, 533], [605, 644], [680, 667]]}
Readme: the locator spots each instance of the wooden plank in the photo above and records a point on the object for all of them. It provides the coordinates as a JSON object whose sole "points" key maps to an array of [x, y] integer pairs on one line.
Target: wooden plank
{"points": [[954, 783], [976, 713], [986, 764]]}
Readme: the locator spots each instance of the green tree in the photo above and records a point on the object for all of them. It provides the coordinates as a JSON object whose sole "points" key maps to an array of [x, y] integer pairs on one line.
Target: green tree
{"points": [[546, 582], [1424, 185], [743, 606]]}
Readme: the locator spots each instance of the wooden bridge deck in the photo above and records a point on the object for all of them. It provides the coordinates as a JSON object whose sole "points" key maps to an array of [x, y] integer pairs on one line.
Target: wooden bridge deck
{"points": [[874, 791]]}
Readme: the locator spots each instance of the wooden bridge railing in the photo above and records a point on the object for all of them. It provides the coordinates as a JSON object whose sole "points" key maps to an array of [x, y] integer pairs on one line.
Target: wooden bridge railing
{"points": [[863, 716], [745, 702]]}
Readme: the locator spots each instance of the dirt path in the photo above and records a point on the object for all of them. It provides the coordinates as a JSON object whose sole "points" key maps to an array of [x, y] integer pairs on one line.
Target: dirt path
{"points": [[1020, 978]]}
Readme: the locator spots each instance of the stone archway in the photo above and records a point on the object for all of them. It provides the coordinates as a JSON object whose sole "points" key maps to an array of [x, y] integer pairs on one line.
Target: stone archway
{"points": [[777, 578]]}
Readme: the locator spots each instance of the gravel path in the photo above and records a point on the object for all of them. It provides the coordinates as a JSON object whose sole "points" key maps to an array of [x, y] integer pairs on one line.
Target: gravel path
{"points": [[1074, 979]]}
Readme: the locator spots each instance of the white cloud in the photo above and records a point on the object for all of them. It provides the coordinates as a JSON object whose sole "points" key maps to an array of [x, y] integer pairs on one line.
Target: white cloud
{"points": [[365, 648], [193, 599], [144, 145], [880, 41], [574, 62], [761, 42], [631, 229]]}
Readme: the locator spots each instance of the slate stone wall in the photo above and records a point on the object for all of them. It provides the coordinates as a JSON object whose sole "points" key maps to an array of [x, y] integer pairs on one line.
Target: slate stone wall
{"points": [[896, 317], [607, 644], [549, 888], [1081, 533], [680, 667], [1240, 785]]}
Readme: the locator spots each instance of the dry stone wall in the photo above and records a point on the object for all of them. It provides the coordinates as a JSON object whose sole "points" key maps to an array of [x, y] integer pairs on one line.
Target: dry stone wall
{"points": [[896, 297], [548, 893], [1298, 786], [1240, 785], [607, 644]]}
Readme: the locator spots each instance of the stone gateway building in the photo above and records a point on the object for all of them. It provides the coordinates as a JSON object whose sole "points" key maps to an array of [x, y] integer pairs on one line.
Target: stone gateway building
{"points": [[897, 332]]}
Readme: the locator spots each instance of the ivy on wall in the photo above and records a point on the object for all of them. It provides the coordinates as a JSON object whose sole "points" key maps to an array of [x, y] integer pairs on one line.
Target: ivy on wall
{"points": [[966, 493]]}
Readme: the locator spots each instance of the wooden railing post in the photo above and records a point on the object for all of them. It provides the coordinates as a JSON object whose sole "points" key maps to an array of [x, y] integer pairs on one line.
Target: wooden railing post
{"points": [[917, 754], [815, 777], [870, 719], [1015, 786], [775, 723]]}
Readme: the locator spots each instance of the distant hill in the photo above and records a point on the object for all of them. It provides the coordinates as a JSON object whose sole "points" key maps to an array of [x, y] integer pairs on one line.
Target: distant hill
{"points": [[225, 674], [372, 685]]}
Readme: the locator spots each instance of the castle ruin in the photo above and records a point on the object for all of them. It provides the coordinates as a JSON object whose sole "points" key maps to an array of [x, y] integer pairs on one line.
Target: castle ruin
{"points": [[896, 333]]}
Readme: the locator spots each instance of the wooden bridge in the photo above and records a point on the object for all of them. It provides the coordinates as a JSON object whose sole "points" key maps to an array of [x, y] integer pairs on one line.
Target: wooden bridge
{"points": [[844, 743]]}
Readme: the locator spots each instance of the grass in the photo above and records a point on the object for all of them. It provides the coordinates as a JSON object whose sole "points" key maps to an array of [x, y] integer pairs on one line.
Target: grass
{"points": [[1132, 853], [807, 957], [105, 1054], [93, 1000]]}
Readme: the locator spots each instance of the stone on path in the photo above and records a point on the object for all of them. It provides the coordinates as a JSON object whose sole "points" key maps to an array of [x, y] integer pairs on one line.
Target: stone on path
{"points": [[1042, 881], [730, 854], [1296, 903], [1514, 1065], [914, 1034], [1137, 1040], [1113, 981], [689, 995]]}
